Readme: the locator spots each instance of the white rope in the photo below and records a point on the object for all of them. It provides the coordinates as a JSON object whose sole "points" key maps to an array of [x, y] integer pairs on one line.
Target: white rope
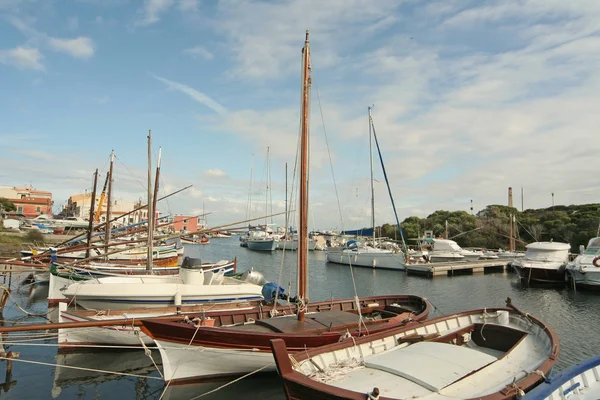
{"points": [[80, 368], [148, 352]]}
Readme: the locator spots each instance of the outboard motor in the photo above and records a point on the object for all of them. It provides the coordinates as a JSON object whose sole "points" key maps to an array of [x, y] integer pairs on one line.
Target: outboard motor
{"points": [[255, 277], [189, 262], [191, 272]]}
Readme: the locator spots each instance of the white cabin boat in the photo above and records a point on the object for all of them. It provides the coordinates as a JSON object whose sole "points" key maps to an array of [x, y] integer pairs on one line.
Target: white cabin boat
{"points": [[544, 263], [361, 255], [445, 250], [584, 271], [194, 286]]}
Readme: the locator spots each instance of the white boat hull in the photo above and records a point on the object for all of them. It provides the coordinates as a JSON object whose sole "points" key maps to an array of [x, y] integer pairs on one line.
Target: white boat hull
{"points": [[379, 259], [182, 362]]}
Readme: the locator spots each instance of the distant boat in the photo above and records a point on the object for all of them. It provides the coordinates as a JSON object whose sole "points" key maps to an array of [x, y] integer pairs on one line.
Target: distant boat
{"points": [[445, 250], [261, 240], [67, 223], [492, 353], [544, 264], [204, 240], [584, 271], [579, 382]]}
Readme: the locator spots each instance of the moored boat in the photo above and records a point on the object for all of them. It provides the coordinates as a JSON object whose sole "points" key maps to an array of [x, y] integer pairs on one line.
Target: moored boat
{"points": [[544, 264], [584, 271], [492, 353], [579, 382], [188, 350]]}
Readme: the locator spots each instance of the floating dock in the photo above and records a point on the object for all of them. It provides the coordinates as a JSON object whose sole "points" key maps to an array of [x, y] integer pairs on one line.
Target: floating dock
{"points": [[456, 268]]}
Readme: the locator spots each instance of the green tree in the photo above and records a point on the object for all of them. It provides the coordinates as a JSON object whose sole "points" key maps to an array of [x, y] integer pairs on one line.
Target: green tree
{"points": [[6, 205]]}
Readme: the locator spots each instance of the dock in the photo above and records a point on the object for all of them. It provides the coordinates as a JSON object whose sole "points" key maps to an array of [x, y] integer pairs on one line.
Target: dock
{"points": [[456, 268]]}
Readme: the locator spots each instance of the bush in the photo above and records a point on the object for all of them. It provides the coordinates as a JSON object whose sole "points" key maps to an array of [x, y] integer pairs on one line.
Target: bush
{"points": [[34, 236]]}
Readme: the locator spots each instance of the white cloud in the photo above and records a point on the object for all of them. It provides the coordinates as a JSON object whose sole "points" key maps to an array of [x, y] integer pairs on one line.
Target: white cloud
{"points": [[80, 47], [199, 51], [152, 10], [22, 57], [216, 173], [193, 93]]}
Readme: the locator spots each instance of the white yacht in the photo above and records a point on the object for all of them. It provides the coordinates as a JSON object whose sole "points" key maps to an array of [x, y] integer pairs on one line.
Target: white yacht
{"points": [[445, 250], [584, 271], [544, 263]]}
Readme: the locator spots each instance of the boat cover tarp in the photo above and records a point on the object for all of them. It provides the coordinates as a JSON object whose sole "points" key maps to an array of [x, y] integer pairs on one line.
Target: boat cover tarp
{"points": [[359, 232]]}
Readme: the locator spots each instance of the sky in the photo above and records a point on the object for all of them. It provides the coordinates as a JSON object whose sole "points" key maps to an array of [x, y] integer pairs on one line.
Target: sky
{"points": [[469, 98]]}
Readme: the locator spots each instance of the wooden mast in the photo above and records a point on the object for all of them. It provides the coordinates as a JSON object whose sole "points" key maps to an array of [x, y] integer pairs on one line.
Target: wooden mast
{"points": [[150, 203], [303, 228], [91, 224], [109, 201], [372, 177]]}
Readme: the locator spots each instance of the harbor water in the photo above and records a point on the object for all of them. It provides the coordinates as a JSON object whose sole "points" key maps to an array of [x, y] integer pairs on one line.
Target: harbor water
{"points": [[573, 315]]}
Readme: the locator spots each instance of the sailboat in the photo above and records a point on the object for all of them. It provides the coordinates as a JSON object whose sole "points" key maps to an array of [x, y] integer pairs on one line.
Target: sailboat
{"points": [[262, 238], [191, 352], [193, 286], [360, 254]]}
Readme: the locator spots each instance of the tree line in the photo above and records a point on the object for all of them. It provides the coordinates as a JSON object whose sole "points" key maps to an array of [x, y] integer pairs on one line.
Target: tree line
{"points": [[490, 227]]}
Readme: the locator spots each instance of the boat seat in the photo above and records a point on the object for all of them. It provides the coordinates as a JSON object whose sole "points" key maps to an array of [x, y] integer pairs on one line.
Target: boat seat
{"points": [[429, 364]]}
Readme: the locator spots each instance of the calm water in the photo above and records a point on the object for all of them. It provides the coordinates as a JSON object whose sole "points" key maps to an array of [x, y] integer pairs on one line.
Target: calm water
{"points": [[574, 316]]}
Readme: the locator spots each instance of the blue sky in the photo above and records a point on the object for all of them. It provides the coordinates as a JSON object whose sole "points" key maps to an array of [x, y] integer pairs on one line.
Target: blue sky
{"points": [[470, 97]]}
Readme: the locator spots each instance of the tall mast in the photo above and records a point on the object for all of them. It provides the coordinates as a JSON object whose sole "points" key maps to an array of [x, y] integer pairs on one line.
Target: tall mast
{"points": [[267, 193], [91, 224], [109, 201], [372, 183], [155, 198], [303, 228], [286, 203], [150, 210]]}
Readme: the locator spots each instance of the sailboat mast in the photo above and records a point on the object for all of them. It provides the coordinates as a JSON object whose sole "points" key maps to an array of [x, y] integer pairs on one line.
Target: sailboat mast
{"points": [[372, 178], [267, 193], [109, 201], [150, 203], [286, 202], [155, 195], [91, 224], [303, 226]]}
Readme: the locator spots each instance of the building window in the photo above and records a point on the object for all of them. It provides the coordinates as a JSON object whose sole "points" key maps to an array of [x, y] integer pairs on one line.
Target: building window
{"points": [[185, 227], [38, 210], [20, 209], [185, 221]]}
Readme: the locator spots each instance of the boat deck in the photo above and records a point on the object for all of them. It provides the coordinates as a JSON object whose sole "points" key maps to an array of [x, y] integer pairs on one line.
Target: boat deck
{"points": [[458, 267], [316, 322]]}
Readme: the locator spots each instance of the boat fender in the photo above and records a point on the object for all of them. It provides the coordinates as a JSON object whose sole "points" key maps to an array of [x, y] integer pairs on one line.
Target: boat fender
{"points": [[596, 262], [503, 317], [177, 299]]}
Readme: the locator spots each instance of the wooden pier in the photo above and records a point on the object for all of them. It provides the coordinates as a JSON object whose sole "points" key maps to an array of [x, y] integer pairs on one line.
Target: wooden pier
{"points": [[458, 268]]}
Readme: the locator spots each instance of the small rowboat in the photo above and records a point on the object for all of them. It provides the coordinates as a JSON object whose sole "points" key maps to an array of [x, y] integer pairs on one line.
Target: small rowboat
{"points": [[579, 382], [486, 354]]}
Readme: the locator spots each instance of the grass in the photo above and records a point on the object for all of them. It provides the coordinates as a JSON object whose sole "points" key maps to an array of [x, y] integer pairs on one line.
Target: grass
{"points": [[11, 239]]}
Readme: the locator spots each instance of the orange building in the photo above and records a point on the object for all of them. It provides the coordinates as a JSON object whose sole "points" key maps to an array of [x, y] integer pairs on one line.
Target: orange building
{"points": [[182, 223], [29, 201]]}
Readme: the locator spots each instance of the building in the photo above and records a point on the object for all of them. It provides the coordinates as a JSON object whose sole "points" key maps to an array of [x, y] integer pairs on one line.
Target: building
{"points": [[29, 202], [79, 205], [182, 223]]}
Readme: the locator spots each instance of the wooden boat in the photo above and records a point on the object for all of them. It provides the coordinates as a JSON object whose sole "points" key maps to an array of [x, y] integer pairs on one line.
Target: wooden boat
{"points": [[189, 351], [486, 354], [204, 240], [241, 344], [579, 382], [544, 264]]}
